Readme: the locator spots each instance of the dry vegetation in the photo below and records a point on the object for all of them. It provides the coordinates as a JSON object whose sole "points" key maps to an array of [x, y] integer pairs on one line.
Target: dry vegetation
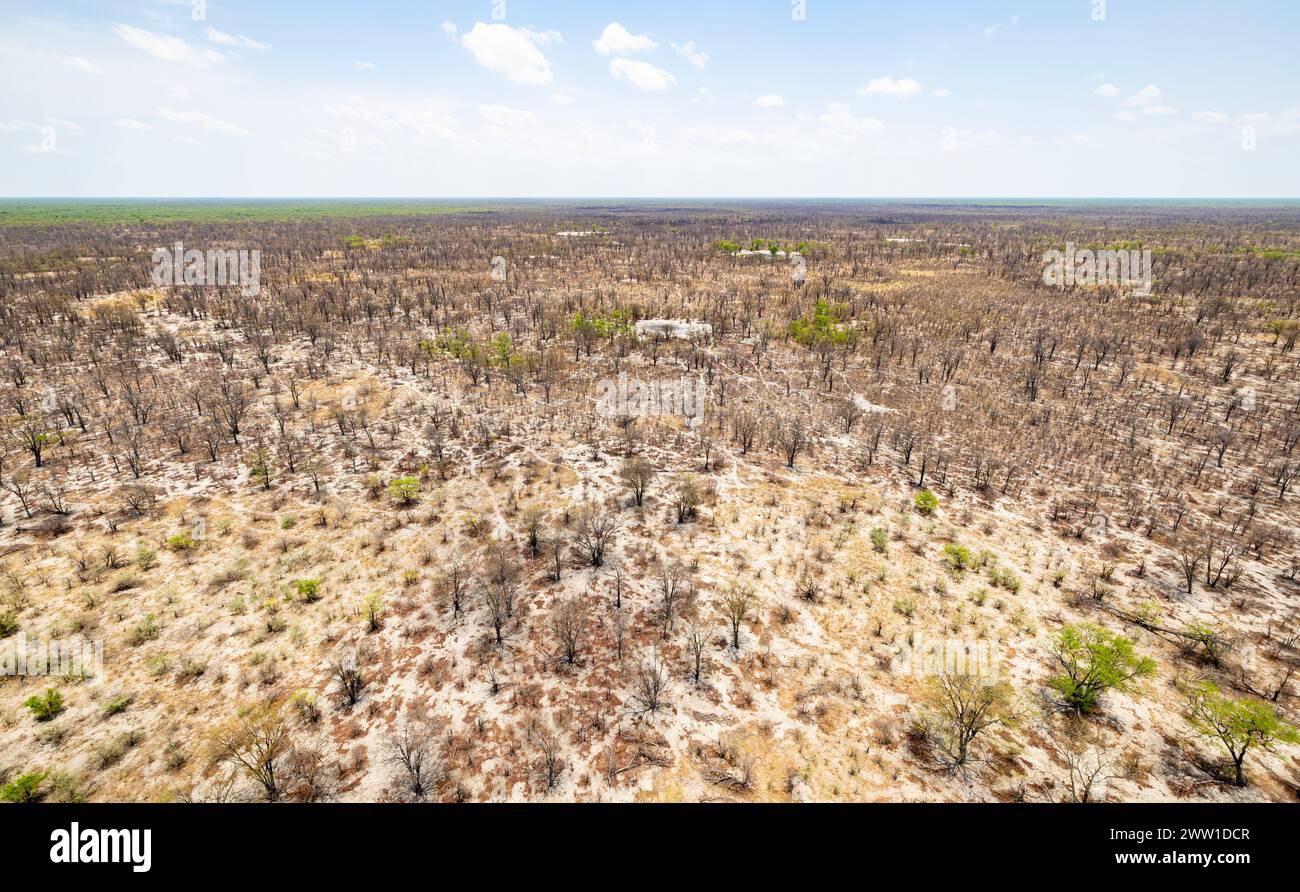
{"points": [[365, 536]]}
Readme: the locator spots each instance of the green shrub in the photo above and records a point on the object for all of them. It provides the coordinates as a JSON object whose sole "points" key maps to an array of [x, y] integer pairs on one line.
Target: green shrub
{"points": [[146, 558], [308, 590], [926, 502], [47, 706], [117, 704], [879, 539], [958, 556], [145, 630], [182, 541], [26, 788], [1003, 578], [8, 623]]}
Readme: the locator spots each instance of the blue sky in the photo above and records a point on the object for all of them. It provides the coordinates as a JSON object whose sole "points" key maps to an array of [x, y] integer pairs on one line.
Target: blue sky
{"points": [[730, 99]]}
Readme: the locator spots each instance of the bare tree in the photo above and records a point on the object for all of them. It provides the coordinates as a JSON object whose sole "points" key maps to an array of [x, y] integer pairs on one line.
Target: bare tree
{"points": [[349, 671], [412, 746], [736, 605], [791, 435], [595, 531], [637, 473], [650, 683], [569, 623]]}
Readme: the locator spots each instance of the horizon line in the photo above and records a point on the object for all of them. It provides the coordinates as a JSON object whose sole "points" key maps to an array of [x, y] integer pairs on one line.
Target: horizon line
{"points": [[486, 198]]}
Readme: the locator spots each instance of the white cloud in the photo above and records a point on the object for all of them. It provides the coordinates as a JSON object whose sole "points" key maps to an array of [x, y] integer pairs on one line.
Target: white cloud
{"points": [[722, 137], [703, 94], [238, 40], [510, 52], [507, 118], [771, 100], [641, 75], [1159, 110], [188, 141], [941, 93], [179, 92], [166, 47], [449, 28], [199, 119], [616, 40], [838, 121], [364, 66], [688, 51], [131, 124], [561, 99], [1210, 117], [80, 64], [888, 86], [961, 139], [1148, 95], [419, 123], [1107, 91]]}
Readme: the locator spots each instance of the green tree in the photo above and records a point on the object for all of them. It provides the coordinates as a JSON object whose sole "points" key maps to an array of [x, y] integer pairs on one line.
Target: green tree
{"points": [[1094, 661], [503, 350], [405, 490], [1238, 725]]}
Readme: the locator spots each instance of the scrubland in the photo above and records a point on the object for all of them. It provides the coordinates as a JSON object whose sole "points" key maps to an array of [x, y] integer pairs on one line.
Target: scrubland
{"points": [[370, 535]]}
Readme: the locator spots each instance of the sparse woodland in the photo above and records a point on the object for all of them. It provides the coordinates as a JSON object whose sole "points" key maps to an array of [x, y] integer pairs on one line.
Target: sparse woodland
{"points": [[366, 536]]}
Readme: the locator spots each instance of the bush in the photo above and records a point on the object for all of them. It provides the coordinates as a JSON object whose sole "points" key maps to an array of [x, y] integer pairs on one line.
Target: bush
{"points": [[1002, 578], [146, 558], [146, 630], [926, 502], [8, 623], [958, 556], [1095, 661], [182, 541], [26, 788], [879, 539], [308, 590], [45, 707], [117, 704]]}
